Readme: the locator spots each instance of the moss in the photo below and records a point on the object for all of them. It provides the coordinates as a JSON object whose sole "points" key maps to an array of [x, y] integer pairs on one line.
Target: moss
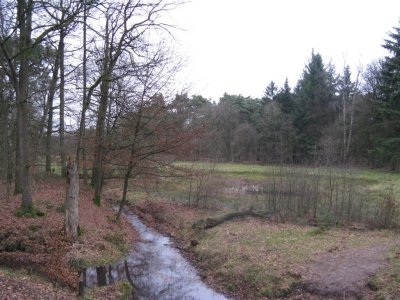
{"points": [[61, 209], [30, 212], [13, 246], [34, 228], [97, 200], [317, 231], [374, 283], [117, 240], [125, 290], [81, 231]]}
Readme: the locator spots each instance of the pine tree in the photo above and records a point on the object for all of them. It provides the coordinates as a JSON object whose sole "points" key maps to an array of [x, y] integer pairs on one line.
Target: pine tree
{"points": [[285, 98], [270, 92], [314, 106], [387, 114]]}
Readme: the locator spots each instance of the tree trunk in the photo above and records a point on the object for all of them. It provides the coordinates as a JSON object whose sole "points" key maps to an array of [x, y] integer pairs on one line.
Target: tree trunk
{"points": [[71, 218], [126, 180], [84, 71], [24, 15], [129, 170], [351, 124], [17, 175], [10, 160], [213, 222], [4, 132], [344, 100], [98, 168], [50, 99], [62, 102]]}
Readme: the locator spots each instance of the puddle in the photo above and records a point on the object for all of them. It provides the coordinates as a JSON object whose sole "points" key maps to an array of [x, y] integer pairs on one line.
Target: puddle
{"points": [[154, 268], [245, 189]]}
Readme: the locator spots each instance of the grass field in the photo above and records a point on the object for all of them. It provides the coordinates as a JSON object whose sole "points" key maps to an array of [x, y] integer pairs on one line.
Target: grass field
{"points": [[267, 258], [314, 211], [298, 194]]}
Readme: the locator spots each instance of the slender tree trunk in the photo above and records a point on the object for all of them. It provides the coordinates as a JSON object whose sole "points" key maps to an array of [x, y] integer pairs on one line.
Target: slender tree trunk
{"points": [[4, 132], [50, 100], [128, 173], [9, 143], [24, 14], [98, 168], [42, 124], [350, 125], [18, 175], [62, 102], [353, 99], [71, 217], [85, 171], [126, 184], [100, 140], [344, 100]]}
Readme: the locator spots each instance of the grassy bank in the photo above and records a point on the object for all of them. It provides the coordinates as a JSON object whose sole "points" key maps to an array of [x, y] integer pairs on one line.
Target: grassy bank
{"points": [[253, 258], [258, 258]]}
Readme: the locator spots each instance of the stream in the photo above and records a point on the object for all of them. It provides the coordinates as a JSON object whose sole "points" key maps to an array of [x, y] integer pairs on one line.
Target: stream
{"points": [[154, 268]]}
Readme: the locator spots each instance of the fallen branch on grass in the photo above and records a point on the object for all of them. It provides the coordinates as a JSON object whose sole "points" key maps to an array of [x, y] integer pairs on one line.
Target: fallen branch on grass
{"points": [[212, 222]]}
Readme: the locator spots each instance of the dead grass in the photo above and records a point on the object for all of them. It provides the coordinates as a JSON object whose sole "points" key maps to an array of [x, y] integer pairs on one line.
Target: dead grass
{"points": [[267, 258], [386, 283], [252, 258]]}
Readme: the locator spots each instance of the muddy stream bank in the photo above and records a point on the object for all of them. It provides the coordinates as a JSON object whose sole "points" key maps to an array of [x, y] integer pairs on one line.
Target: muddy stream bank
{"points": [[154, 268]]}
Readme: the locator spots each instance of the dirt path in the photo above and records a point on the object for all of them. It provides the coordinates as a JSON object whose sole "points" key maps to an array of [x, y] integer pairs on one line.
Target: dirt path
{"points": [[344, 274]]}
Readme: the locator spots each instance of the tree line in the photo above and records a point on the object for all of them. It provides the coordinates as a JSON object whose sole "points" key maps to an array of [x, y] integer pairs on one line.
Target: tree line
{"points": [[328, 118]]}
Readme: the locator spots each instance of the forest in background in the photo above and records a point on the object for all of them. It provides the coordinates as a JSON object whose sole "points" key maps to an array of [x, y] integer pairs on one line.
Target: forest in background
{"points": [[88, 89], [328, 118], [94, 81]]}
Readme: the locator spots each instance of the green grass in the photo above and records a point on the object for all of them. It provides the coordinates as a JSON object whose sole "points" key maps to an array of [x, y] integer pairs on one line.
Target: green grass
{"points": [[387, 281], [360, 194], [268, 257]]}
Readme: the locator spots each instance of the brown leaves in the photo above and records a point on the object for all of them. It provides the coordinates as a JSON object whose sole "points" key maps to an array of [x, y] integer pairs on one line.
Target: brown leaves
{"points": [[40, 244]]}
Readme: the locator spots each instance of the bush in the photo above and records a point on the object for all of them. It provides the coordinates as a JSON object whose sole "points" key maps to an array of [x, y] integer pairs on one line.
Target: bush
{"points": [[97, 201]]}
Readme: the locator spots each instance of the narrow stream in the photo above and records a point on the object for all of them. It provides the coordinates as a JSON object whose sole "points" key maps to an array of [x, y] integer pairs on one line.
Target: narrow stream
{"points": [[154, 268]]}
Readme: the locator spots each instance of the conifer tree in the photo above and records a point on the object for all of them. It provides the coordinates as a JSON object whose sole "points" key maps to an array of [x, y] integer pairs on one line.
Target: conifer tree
{"points": [[387, 142], [314, 106]]}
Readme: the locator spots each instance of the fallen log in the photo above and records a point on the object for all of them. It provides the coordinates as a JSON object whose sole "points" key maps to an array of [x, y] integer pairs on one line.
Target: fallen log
{"points": [[212, 222]]}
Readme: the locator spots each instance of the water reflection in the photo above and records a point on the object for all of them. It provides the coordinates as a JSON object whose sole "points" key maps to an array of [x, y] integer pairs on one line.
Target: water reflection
{"points": [[154, 269]]}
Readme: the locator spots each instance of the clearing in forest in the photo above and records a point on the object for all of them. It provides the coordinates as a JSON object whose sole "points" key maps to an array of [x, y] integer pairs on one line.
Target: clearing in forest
{"points": [[318, 224]]}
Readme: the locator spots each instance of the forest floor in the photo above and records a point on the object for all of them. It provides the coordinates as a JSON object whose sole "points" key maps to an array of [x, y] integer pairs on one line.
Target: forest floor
{"points": [[37, 261], [257, 259]]}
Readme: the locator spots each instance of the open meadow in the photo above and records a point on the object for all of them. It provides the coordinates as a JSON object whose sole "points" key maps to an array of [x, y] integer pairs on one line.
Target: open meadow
{"points": [[269, 231]]}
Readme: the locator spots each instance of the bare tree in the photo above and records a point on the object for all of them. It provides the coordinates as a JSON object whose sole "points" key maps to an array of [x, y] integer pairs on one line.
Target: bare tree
{"points": [[71, 216], [349, 93], [149, 129], [33, 23], [50, 109], [125, 34]]}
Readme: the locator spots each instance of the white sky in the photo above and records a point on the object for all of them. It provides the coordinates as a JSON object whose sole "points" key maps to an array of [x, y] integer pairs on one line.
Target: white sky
{"points": [[238, 46]]}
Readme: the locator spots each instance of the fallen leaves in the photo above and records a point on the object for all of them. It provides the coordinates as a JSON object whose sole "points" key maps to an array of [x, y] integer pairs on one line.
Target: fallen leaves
{"points": [[39, 244]]}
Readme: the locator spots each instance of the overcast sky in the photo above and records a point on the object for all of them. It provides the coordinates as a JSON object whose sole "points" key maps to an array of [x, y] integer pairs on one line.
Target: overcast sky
{"points": [[238, 46]]}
